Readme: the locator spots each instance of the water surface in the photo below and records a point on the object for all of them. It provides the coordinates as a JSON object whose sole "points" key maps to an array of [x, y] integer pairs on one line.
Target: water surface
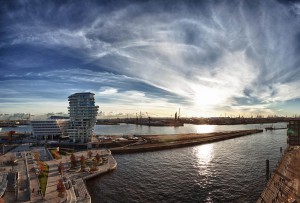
{"points": [[226, 171]]}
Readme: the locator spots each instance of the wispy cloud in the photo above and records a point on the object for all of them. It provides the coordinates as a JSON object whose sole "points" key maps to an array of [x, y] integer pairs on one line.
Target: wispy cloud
{"points": [[140, 101], [211, 56], [108, 91]]}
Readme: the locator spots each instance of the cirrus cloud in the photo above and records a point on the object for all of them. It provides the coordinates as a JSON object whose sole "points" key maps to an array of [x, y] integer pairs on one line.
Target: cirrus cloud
{"points": [[206, 56]]}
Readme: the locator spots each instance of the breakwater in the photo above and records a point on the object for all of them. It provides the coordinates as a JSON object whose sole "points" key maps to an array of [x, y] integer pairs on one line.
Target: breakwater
{"points": [[161, 142]]}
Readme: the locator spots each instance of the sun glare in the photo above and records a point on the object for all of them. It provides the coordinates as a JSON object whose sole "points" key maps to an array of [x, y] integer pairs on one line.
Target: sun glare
{"points": [[205, 97], [204, 153], [204, 128]]}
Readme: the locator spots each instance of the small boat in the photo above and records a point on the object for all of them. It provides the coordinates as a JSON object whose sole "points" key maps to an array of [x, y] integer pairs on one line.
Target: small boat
{"points": [[269, 128]]}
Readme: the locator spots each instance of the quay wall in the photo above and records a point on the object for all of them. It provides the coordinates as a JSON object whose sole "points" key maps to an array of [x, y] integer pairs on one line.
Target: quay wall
{"points": [[283, 183], [112, 166]]}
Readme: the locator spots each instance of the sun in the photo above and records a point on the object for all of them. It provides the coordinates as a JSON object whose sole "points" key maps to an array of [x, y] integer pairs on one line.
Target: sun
{"points": [[205, 97]]}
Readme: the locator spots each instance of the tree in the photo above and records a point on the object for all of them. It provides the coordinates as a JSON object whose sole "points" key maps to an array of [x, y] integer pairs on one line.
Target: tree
{"points": [[90, 154], [36, 156], [82, 162], [61, 168], [42, 167], [60, 188], [73, 160], [56, 154], [98, 157], [10, 134], [94, 166]]}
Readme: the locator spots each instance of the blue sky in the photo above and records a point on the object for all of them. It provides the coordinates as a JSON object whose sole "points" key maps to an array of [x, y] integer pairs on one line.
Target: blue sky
{"points": [[205, 57]]}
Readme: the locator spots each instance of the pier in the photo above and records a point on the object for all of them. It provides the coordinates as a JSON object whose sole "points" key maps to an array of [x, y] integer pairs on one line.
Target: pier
{"points": [[161, 142]]}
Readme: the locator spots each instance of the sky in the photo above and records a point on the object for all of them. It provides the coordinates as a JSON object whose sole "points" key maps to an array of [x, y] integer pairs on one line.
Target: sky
{"points": [[208, 58]]}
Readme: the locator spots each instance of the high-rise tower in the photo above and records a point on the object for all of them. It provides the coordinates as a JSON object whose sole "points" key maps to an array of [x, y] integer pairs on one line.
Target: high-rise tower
{"points": [[83, 114]]}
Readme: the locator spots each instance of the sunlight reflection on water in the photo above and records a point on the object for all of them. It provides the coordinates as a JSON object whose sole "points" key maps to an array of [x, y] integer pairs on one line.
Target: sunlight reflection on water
{"points": [[204, 154], [205, 128], [215, 172]]}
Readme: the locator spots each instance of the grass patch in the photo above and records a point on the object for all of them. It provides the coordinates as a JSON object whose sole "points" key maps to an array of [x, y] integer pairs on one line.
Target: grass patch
{"points": [[64, 153], [43, 178]]}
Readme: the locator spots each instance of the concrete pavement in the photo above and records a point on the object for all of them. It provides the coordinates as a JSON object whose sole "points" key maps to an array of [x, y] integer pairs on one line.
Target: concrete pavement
{"points": [[28, 182], [283, 185]]}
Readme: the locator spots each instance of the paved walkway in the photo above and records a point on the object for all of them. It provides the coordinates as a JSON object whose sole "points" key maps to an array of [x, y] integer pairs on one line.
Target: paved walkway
{"points": [[75, 186], [283, 185], [22, 192], [3, 183], [53, 177], [34, 181], [23, 181]]}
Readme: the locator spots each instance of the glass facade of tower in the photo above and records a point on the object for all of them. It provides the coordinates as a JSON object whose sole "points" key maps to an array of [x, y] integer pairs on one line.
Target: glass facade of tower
{"points": [[83, 114]]}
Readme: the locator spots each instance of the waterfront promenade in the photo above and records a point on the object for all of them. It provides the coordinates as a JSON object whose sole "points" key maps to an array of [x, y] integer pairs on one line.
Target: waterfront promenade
{"points": [[284, 182], [26, 186], [74, 181]]}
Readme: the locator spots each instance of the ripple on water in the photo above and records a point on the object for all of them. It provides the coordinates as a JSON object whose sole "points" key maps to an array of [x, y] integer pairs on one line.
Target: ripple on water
{"points": [[227, 171]]}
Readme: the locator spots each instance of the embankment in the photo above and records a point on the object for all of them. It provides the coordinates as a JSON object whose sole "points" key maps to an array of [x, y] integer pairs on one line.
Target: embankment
{"points": [[161, 142], [283, 183]]}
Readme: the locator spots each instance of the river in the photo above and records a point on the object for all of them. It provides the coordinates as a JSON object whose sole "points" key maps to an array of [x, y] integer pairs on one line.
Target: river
{"points": [[227, 171]]}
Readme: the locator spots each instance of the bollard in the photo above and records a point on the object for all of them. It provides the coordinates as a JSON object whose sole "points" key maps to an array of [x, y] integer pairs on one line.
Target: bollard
{"points": [[281, 150], [267, 169]]}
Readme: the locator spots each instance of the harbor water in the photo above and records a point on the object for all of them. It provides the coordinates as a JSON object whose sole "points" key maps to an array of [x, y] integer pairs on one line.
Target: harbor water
{"points": [[227, 171], [131, 129]]}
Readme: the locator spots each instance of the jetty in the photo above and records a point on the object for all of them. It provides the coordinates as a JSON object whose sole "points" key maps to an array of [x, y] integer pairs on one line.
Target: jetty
{"points": [[161, 142]]}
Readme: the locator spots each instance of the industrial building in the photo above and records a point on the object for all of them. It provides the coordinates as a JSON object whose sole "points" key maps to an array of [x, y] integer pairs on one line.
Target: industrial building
{"points": [[83, 112]]}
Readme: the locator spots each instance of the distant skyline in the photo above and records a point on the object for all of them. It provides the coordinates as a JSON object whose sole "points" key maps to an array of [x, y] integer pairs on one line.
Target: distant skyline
{"points": [[234, 57]]}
